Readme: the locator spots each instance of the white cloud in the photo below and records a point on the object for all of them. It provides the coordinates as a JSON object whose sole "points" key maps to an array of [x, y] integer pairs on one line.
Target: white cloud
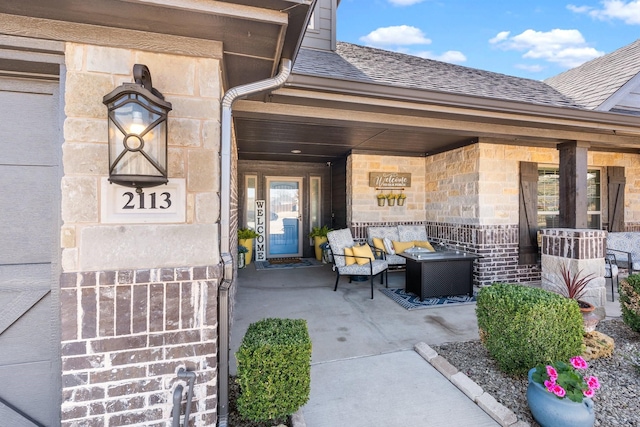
{"points": [[534, 68], [400, 35], [566, 48], [405, 2], [450, 56], [502, 35], [626, 11]]}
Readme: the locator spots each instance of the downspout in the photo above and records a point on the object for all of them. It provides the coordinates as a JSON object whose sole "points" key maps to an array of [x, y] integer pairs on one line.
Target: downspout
{"points": [[229, 98]]}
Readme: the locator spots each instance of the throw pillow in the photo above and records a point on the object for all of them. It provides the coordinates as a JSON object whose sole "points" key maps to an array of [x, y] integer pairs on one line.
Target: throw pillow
{"points": [[379, 244], [349, 259], [424, 244], [388, 246], [401, 246], [363, 251]]}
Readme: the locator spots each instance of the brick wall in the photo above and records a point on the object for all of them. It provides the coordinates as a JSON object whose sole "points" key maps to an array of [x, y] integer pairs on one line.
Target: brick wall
{"points": [[124, 336]]}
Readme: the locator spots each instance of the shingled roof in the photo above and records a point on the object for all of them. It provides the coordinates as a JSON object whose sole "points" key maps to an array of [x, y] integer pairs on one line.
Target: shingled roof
{"points": [[370, 65], [593, 82]]}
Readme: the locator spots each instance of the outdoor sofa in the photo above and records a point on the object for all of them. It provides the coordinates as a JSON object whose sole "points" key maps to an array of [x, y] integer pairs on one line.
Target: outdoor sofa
{"points": [[395, 239]]}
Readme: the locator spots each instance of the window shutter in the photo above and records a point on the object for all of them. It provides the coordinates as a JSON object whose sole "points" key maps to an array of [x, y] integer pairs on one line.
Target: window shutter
{"points": [[615, 193], [528, 224]]}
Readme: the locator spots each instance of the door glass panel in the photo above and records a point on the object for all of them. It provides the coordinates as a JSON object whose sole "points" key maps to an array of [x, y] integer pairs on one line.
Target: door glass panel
{"points": [[284, 217]]}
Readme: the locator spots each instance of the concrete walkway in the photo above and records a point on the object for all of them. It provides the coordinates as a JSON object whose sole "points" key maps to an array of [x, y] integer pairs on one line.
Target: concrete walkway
{"points": [[365, 370]]}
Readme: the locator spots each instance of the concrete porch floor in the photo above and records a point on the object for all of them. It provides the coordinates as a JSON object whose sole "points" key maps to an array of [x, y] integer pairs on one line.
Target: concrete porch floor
{"points": [[364, 369]]}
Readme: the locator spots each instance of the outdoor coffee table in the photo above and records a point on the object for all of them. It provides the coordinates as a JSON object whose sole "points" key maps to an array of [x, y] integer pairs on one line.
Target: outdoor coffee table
{"points": [[438, 274]]}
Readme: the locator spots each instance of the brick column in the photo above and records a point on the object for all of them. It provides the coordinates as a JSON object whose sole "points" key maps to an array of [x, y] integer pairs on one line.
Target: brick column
{"points": [[582, 251]]}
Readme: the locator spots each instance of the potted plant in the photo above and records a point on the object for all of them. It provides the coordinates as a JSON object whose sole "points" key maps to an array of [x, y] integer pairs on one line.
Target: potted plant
{"points": [[391, 199], [381, 199], [242, 251], [245, 238], [319, 236], [401, 199], [574, 286], [559, 394]]}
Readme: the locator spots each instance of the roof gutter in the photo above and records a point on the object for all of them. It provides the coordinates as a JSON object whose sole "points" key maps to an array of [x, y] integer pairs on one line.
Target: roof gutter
{"points": [[229, 98]]}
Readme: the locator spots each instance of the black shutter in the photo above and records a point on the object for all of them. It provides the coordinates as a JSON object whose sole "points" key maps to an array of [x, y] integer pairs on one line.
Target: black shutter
{"points": [[528, 223], [616, 182]]}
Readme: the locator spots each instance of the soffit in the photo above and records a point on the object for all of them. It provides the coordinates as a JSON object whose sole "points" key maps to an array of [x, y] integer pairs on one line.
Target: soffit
{"points": [[325, 125], [255, 33]]}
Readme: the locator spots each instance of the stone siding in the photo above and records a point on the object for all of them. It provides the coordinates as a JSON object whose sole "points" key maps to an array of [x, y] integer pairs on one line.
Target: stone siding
{"points": [[193, 87], [130, 317], [126, 333], [362, 204]]}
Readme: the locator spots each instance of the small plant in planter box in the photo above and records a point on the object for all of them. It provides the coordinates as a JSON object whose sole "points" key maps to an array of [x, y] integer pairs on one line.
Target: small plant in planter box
{"points": [[574, 286], [391, 199], [381, 199], [245, 238], [401, 199], [274, 369], [319, 236]]}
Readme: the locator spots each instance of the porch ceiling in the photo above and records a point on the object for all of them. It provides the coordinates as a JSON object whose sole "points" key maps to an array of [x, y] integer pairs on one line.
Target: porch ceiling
{"points": [[254, 33], [324, 125], [322, 141]]}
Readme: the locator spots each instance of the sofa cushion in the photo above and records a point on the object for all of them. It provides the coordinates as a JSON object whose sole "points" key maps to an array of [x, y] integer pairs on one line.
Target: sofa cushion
{"points": [[379, 244], [424, 244], [388, 246], [409, 233], [400, 247], [349, 259], [365, 254]]}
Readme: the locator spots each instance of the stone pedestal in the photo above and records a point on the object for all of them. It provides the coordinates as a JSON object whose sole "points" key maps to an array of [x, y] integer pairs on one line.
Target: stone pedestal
{"points": [[581, 251]]}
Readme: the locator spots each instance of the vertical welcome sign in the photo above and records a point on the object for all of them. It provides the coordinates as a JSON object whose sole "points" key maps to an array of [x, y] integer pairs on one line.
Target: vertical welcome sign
{"points": [[261, 250]]}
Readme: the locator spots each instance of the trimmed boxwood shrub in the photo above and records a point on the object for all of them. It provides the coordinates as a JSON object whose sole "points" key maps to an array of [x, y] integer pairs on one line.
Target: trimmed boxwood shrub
{"points": [[630, 301], [522, 326], [274, 369]]}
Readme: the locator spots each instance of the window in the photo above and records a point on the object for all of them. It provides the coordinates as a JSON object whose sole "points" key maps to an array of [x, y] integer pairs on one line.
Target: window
{"points": [[549, 198], [315, 202], [250, 183]]}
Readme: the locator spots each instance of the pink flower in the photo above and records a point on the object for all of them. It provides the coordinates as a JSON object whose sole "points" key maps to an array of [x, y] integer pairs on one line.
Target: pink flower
{"points": [[549, 385], [559, 391], [588, 392], [553, 374], [578, 363], [592, 382]]}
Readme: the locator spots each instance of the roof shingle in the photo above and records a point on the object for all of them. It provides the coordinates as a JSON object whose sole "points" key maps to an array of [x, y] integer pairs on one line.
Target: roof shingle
{"points": [[370, 65], [593, 82]]}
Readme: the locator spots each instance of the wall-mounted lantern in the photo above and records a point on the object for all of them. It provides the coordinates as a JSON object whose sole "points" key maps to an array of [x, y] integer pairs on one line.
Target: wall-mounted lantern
{"points": [[137, 132]]}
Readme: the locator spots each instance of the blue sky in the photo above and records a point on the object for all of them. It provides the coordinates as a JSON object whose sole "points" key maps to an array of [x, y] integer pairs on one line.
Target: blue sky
{"points": [[534, 39]]}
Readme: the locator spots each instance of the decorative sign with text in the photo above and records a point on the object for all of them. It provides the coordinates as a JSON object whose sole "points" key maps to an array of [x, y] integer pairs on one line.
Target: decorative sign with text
{"points": [[389, 179], [161, 204], [261, 229]]}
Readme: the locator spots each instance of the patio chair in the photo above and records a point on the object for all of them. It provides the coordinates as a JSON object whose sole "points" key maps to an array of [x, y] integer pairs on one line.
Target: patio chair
{"points": [[611, 271], [339, 240]]}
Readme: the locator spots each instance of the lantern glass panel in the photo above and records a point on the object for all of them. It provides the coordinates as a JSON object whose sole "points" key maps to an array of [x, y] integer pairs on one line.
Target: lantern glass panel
{"points": [[140, 137]]}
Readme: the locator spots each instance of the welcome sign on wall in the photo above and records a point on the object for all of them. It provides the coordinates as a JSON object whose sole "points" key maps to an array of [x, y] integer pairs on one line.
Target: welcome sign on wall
{"points": [[389, 179], [261, 229]]}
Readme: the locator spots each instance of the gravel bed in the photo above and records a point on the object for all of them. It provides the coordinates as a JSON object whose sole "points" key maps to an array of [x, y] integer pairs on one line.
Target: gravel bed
{"points": [[617, 403]]}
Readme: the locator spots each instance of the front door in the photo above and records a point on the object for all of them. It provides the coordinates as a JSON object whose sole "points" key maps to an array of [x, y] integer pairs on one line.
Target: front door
{"points": [[29, 205], [285, 217]]}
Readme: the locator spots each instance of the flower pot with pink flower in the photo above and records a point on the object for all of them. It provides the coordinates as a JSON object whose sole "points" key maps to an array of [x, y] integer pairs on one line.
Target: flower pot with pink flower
{"points": [[559, 394]]}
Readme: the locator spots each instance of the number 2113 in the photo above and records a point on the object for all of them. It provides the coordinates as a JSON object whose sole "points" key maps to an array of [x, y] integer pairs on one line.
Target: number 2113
{"points": [[164, 202]]}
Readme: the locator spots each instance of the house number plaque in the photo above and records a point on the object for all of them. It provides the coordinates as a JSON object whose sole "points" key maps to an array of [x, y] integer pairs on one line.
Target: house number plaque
{"points": [[160, 204]]}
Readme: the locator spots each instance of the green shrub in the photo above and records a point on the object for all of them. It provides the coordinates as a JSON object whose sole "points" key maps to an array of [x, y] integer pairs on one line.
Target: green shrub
{"points": [[523, 326], [630, 301], [274, 369]]}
